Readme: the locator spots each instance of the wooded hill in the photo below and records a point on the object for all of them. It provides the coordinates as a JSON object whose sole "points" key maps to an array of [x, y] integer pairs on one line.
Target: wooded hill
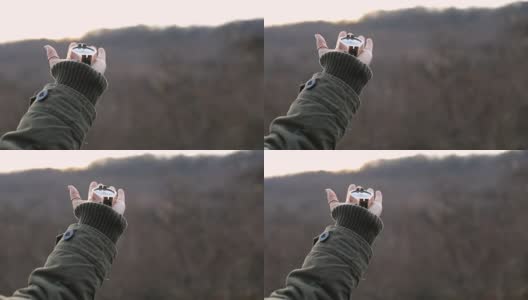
{"points": [[454, 228], [195, 225], [451, 79], [169, 88]]}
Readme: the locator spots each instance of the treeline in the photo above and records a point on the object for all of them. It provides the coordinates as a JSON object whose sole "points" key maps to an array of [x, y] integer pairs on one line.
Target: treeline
{"points": [[171, 88], [452, 79], [453, 228], [184, 240]]}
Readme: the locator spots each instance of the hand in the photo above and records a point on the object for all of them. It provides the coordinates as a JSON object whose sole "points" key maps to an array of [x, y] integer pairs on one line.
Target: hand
{"points": [[99, 63], [365, 53], [374, 205], [118, 204]]}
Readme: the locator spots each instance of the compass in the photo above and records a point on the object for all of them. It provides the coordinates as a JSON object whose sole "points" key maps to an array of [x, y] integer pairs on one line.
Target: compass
{"points": [[107, 194], [353, 43], [362, 195], [87, 53]]}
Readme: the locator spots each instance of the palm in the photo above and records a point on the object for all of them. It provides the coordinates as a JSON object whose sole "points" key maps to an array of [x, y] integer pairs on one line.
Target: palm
{"points": [[99, 63], [118, 203], [365, 53]]}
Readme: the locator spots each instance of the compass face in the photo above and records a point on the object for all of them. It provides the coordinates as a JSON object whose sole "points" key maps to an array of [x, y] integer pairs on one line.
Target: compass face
{"points": [[84, 50], [361, 194], [351, 42], [104, 193]]}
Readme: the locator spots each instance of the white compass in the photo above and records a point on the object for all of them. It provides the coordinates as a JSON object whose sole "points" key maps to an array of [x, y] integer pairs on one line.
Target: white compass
{"points": [[87, 53], [107, 194], [353, 43], [362, 196]]}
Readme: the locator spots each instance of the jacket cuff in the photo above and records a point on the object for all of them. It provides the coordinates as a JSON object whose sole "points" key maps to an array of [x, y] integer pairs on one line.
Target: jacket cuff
{"points": [[102, 218], [347, 68], [80, 77], [359, 220]]}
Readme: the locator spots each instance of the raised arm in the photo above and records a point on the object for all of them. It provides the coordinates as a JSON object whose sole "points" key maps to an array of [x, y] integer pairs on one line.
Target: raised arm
{"points": [[320, 115], [61, 114], [83, 255], [340, 255]]}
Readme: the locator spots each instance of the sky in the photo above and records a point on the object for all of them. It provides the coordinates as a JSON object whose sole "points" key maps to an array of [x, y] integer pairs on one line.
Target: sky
{"points": [[34, 19], [294, 11], [278, 163], [29, 19], [24, 160]]}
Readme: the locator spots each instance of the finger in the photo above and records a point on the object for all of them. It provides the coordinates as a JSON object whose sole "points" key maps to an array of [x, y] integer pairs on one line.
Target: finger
{"points": [[339, 45], [331, 197], [362, 39], [120, 196], [101, 55], [321, 45], [100, 61], [74, 193], [369, 45], [371, 200], [349, 198], [74, 56], [366, 55], [377, 204], [119, 203], [92, 186], [53, 56]]}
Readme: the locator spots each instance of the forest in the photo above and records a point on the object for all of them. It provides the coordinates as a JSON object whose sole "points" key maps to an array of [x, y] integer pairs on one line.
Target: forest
{"points": [[454, 228], [450, 79], [184, 238], [169, 88]]}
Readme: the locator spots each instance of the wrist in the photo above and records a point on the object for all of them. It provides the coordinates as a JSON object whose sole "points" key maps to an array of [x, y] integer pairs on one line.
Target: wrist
{"points": [[80, 77], [347, 68], [359, 220], [102, 218]]}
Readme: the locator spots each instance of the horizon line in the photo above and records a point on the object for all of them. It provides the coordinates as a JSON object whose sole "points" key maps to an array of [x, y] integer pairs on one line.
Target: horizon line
{"points": [[374, 13], [153, 26]]}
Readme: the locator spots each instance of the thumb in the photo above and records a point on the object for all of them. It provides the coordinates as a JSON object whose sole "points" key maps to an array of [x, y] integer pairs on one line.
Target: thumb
{"points": [[75, 196], [321, 45], [53, 56], [74, 193], [331, 197]]}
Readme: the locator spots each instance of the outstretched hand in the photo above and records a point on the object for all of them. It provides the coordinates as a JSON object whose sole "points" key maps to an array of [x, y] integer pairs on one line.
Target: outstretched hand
{"points": [[365, 53], [118, 203], [99, 63], [374, 204]]}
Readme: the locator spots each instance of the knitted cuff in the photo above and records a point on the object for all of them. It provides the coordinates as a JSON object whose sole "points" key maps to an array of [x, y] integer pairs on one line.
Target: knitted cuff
{"points": [[102, 218], [80, 77], [347, 68], [359, 220]]}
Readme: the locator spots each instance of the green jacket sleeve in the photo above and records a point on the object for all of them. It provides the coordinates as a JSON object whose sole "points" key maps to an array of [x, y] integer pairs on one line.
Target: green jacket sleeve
{"points": [[338, 259], [81, 259], [320, 115], [61, 114]]}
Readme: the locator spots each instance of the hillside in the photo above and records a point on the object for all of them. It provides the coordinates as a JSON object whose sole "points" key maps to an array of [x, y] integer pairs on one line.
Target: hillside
{"points": [[170, 88], [184, 239], [451, 79], [454, 228]]}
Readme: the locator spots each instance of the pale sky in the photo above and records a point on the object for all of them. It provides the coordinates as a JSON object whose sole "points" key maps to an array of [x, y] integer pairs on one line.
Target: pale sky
{"points": [[277, 163], [29, 19], [24, 160], [277, 12]]}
